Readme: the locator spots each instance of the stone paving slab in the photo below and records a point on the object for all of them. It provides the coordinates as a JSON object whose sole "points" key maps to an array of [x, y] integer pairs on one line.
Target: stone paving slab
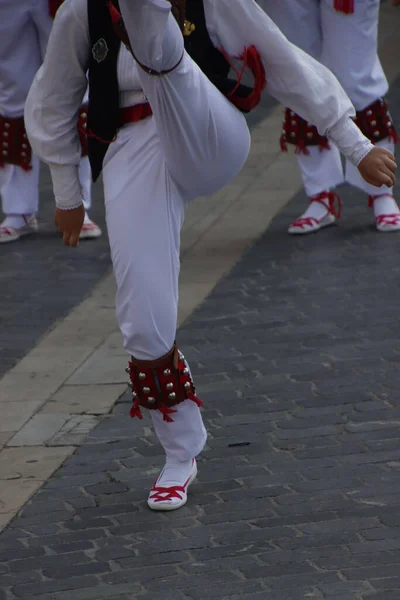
{"points": [[41, 280], [296, 356]]}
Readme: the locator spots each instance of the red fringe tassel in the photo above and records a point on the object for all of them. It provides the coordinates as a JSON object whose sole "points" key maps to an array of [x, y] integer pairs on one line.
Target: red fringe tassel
{"points": [[135, 410], [252, 60], [301, 148], [195, 399], [166, 412], [283, 143], [324, 145]]}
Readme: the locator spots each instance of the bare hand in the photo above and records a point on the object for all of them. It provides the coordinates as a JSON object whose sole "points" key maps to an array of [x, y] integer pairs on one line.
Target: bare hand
{"points": [[70, 222], [378, 167]]}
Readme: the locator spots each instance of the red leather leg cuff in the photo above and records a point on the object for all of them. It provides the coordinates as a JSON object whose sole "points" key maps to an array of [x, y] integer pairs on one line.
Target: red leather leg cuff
{"points": [[161, 384], [15, 146], [301, 134], [375, 122]]}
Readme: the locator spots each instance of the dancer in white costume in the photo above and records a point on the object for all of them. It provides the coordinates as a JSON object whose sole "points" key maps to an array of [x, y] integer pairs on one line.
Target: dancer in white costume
{"points": [[24, 32], [342, 34], [194, 143]]}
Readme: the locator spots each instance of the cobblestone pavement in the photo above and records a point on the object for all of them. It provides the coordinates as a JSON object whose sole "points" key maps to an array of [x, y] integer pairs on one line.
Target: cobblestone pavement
{"points": [[41, 280], [296, 355]]}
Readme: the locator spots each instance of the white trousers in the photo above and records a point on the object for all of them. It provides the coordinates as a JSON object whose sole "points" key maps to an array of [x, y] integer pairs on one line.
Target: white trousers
{"points": [[347, 45], [194, 144], [25, 27]]}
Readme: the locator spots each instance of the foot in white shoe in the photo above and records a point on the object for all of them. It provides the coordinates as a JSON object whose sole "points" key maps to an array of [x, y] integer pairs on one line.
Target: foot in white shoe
{"points": [[321, 212], [386, 211], [169, 492], [90, 230], [16, 226]]}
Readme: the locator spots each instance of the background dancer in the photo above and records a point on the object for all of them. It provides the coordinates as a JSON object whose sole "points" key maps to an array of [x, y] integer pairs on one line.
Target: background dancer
{"points": [[343, 35], [24, 32]]}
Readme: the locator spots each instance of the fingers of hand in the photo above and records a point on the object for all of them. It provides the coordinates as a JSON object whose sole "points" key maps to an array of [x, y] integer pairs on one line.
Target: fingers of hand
{"points": [[66, 236], [386, 177], [74, 239], [390, 164], [71, 238]]}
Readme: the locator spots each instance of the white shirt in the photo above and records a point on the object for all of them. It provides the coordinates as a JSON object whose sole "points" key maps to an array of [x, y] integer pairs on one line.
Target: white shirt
{"points": [[293, 78]]}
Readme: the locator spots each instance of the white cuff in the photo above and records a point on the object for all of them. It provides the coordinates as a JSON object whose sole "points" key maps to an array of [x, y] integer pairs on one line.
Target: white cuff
{"points": [[66, 186], [350, 140]]}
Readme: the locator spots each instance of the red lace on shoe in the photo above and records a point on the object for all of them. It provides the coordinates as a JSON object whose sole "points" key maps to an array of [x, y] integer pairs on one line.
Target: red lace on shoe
{"points": [[6, 231], [334, 207], [386, 219], [88, 226], [162, 494]]}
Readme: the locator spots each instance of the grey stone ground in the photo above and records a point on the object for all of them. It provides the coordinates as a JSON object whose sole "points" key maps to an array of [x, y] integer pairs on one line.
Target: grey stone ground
{"points": [[41, 280], [296, 355]]}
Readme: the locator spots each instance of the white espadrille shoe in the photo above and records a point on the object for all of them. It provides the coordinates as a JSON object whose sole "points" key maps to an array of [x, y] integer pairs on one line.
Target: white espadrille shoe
{"points": [[387, 213], [169, 492], [12, 234], [321, 212]]}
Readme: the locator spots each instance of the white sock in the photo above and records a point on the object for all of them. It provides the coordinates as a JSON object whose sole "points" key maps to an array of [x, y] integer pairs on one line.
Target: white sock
{"points": [[86, 219], [385, 205], [175, 473], [15, 221]]}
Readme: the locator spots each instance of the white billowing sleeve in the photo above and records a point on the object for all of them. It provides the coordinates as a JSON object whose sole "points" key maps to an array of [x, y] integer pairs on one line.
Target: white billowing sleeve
{"points": [[293, 77], [54, 100]]}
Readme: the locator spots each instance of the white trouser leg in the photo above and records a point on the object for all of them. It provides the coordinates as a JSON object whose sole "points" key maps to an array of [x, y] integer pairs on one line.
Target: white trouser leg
{"points": [[300, 21], [20, 192], [43, 23], [20, 57], [350, 50], [144, 213], [204, 139], [183, 439], [320, 171], [195, 143]]}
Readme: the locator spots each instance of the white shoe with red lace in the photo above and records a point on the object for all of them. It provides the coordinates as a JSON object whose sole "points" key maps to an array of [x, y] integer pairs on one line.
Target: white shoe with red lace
{"points": [[169, 492], [90, 230], [387, 213], [9, 233], [321, 212]]}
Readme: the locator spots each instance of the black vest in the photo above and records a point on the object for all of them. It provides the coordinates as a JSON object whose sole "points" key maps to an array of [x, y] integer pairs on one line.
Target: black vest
{"points": [[103, 111]]}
